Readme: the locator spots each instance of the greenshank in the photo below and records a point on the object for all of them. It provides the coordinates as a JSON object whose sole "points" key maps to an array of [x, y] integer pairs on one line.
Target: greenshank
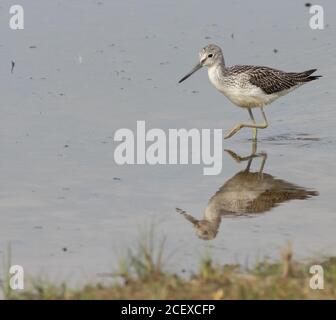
{"points": [[247, 193], [248, 86]]}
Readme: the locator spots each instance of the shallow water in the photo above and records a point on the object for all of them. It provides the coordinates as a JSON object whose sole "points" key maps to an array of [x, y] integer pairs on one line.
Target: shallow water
{"points": [[86, 68]]}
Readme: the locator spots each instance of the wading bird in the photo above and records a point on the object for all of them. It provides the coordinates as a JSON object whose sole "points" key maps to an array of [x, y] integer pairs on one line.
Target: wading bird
{"points": [[247, 194], [248, 86]]}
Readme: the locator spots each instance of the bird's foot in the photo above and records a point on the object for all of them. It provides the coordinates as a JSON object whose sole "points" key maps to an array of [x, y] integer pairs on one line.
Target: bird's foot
{"points": [[239, 158], [234, 155], [233, 131]]}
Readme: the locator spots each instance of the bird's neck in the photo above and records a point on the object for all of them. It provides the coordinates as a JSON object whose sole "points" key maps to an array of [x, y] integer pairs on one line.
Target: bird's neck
{"points": [[216, 73], [219, 68], [222, 68], [212, 213]]}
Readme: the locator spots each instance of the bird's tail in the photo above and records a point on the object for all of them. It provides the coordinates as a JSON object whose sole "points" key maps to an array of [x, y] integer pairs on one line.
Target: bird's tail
{"points": [[304, 76]]}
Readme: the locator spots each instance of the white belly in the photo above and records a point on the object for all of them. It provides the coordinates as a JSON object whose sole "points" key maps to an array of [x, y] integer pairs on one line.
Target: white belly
{"points": [[248, 97], [245, 97]]}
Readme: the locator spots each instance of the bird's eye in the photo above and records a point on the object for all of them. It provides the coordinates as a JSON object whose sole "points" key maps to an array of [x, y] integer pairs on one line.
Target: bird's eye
{"points": [[210, 55]]}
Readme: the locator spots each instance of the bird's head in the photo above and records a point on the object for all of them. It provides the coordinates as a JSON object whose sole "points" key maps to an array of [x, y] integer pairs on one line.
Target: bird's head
{"points": [[209, 56], [206, 230]]}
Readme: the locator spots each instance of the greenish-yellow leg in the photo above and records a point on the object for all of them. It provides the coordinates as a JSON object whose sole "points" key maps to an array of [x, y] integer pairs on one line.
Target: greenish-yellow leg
{"points": [[253, 125], [254, 130]]}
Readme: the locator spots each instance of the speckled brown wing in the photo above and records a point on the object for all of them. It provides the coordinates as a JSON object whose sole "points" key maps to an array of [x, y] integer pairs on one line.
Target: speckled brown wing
{"points": [[273, 80]]}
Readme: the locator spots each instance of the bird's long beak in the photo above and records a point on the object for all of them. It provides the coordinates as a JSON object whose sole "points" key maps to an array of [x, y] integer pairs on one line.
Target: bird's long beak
{"points": [[197, 67]]}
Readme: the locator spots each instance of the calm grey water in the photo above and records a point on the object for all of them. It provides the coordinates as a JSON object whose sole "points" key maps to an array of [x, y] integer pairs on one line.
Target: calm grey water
{"points": [[86, 68]]}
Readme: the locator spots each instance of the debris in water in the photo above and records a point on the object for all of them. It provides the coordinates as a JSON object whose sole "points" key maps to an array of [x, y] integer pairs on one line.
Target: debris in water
{"points": [[13, 66]]}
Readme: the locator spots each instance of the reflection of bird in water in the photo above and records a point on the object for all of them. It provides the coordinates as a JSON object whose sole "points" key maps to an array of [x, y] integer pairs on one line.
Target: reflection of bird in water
{"points": [[246, 193]]}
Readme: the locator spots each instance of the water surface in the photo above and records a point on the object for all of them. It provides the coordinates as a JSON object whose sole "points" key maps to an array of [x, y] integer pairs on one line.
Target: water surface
{"points": [[86, 68]]}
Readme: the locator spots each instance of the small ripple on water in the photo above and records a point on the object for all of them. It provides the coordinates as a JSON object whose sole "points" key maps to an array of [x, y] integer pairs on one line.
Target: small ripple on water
{"points": [[292, 137]]}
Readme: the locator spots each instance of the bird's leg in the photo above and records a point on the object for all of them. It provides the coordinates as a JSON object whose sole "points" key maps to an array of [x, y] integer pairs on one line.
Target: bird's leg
{"points": [[265, 124], [247, 169], [254, 147], [254, 130], [239, 158], [261, 170], [239, 126]]}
